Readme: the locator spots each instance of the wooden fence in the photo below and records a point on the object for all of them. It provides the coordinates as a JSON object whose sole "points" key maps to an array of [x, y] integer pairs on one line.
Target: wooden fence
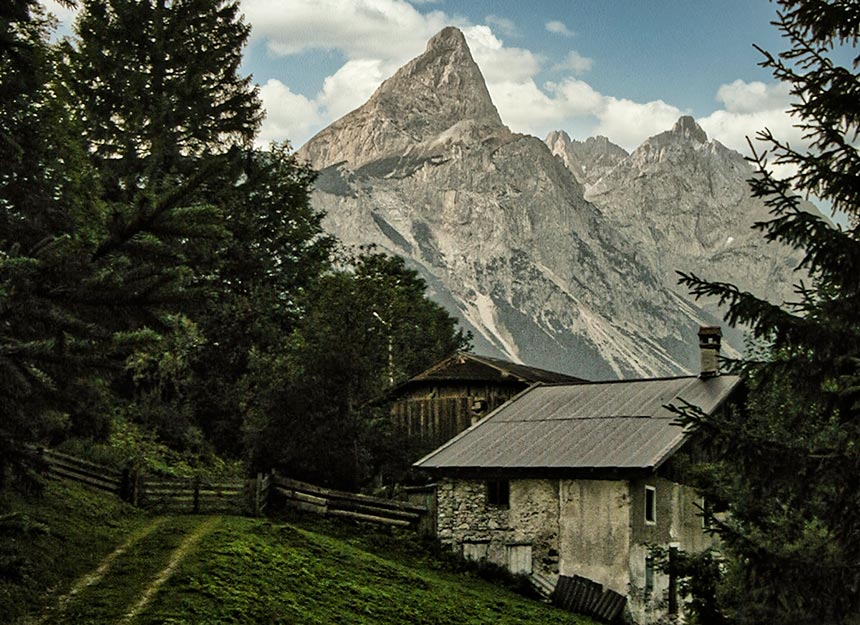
{"points": [[304, 496], [64, 466], [164, 494], [197, 495]]}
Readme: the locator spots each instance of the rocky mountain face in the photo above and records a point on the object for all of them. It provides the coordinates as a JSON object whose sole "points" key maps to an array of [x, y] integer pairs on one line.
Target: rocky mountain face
{"points": [[588, 160], [499, 227], [683, 203]]}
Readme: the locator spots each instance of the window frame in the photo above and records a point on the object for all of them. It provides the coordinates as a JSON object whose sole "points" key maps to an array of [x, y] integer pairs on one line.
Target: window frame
{"points": [[498, 493], [650, 505], [649, 574]]}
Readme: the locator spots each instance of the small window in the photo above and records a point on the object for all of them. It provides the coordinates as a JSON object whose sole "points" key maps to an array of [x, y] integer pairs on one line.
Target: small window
{"points": [[499, 493], [650, 505], [649, 574]]}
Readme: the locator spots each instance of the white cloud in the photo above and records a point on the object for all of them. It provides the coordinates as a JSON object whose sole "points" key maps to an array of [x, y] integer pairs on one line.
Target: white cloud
{"points": [[576, 98], [559, 28], [751, 97], [524, 107], [370, 29], [750, 107], [288, 114], [502, 24], [497, 62], [629, 123], [575, 63], [351, 86], [732, 129]]}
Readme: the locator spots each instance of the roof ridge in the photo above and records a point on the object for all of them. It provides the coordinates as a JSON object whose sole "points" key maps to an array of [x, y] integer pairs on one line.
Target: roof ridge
{"points": [[632, 380]]}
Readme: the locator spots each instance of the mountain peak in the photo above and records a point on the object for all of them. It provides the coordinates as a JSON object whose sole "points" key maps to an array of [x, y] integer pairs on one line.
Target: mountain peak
{"points": [[687, 127], [444, 83], [448, 38], [441, 89]]}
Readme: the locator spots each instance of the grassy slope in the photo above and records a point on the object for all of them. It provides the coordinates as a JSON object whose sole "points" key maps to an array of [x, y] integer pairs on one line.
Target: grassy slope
{"points": [[55, 539], [250, 571]]}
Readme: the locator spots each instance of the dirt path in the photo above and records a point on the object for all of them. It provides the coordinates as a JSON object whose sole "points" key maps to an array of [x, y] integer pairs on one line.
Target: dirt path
{"points": [[120, 588], [96, 576], [175, 559]]}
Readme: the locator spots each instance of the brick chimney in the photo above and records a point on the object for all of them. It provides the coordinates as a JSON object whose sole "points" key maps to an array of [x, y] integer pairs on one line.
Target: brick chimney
{"points": [[709, 346]]}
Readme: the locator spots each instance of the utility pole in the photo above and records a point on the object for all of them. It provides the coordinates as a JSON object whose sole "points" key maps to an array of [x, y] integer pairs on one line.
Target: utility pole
{"points": [[390, 347]]}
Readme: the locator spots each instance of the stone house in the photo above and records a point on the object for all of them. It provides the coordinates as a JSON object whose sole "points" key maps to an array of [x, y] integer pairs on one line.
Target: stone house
{"points": [[435, 405], [581, 480]]}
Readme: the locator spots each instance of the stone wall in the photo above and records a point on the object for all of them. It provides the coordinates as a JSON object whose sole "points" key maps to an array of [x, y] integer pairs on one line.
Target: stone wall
{"points": [[592, 528], [470, 525]]}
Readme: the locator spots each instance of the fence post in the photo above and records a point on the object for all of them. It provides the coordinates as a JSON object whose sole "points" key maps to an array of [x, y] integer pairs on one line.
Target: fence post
{"points": [[196, 494], [125, 484], [136, 485]]}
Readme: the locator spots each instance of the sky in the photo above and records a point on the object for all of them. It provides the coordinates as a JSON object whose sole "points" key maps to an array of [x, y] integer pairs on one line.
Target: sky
{"points": [[626, 69]]}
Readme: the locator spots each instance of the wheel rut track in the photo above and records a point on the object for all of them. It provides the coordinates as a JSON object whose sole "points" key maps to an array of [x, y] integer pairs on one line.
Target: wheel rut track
{"points": [[97, 585]]}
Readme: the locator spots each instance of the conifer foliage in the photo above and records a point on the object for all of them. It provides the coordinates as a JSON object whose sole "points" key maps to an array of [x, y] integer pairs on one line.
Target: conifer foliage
{"points": [[155, 266], [50, 218], [787, 461]]}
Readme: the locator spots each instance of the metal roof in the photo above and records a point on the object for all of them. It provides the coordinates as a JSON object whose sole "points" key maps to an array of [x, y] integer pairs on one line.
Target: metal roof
{"points": [[466, 366], [603, 425]]}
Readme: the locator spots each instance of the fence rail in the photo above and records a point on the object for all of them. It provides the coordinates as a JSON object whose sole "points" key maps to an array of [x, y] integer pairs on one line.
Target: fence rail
{"points": [[160, 493], [194, 495], [60, 465], [338, 503], [197, 495]]}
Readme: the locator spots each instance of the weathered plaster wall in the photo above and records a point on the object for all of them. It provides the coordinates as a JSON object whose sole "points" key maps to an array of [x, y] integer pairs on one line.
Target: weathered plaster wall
{"points": [[677, 524], [595, 531], [469, 524], [592, 528]]}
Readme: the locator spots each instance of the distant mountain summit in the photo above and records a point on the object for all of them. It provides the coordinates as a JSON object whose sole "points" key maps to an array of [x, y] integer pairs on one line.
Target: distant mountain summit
{"points": [[499, 227], [684, 203], [588, 160], [441, 90]]}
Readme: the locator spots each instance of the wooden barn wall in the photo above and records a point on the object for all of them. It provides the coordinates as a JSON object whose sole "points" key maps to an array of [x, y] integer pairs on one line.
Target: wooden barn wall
{"points": [[431, 417]]}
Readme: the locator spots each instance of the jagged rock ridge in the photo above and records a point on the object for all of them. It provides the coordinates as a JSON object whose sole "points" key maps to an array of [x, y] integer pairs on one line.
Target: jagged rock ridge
{"points": [[414, 106], [588, 160], [684, 203], [497, 226]]}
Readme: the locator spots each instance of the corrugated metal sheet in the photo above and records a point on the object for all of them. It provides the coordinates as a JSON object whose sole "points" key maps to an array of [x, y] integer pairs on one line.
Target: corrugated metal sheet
{"points": [[595, 425]]}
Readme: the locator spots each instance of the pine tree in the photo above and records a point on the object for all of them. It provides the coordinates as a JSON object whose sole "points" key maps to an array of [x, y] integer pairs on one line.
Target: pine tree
{"points": [[165, 117], [168, 124], [114, 158], [50, 219], [786, 461]]}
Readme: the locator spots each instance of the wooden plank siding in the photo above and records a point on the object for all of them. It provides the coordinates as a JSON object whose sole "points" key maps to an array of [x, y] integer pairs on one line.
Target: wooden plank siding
{"points": [[429, 421]]}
